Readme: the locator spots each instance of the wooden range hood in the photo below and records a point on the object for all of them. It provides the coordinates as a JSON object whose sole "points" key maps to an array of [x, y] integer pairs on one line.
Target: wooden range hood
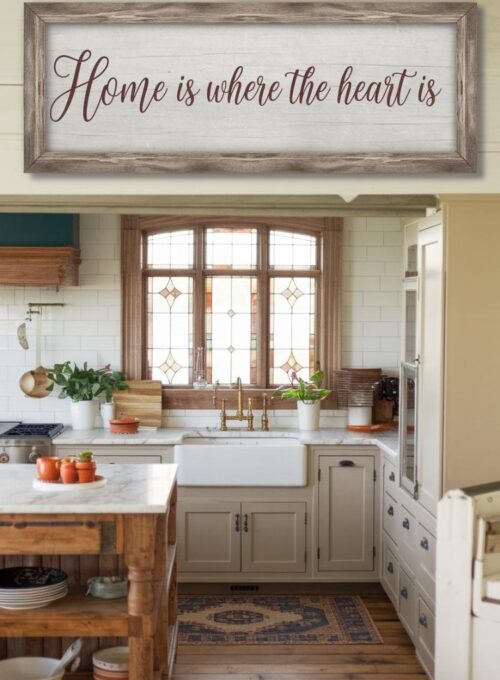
{"points": [[39, 266]]}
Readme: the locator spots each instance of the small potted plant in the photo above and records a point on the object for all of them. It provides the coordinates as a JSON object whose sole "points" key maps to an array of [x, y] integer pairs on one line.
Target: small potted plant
{"points": [[110, 381], [83, 385], [308, 394], [85, 467], [69, 473]]}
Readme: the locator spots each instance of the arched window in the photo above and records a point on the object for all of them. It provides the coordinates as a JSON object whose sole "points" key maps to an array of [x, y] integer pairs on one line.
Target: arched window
{"points": [[257, 295]]}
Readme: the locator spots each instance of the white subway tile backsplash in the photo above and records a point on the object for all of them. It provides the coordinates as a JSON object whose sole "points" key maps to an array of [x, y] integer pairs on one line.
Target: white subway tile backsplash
{"points": [[87, 328], [372, 292], [385, 253]]}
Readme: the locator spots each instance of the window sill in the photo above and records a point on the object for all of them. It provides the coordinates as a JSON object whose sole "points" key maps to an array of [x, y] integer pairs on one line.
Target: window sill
{"points": [[188, 398]]}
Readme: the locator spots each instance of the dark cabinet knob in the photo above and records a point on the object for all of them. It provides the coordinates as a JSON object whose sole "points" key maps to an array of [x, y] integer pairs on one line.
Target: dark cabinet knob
{"points": [[404, 593], [245, 523], [406, 524], [422, 619], [390, 510], [390, 568], [346, 463], [392, 477], [237, 522], [424, 544]]}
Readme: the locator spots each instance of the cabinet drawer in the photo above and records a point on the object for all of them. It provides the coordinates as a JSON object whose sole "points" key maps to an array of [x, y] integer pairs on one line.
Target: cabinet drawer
{"points": [[390, 520], [407, 536], [131, 460], [407, 601], [390, 569], [426, 561], [425, 633], [390, 478]]}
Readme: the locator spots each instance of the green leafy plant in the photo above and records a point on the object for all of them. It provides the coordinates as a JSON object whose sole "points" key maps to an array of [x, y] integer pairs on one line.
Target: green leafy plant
{"points": [[307, 391], [84, 384], [85, 456]]}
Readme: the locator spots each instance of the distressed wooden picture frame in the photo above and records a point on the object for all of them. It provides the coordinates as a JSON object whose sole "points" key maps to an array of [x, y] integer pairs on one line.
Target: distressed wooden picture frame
{"points": [[39, 158]]}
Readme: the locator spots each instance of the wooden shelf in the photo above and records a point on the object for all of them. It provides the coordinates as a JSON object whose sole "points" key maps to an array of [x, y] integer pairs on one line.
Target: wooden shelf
{"points": [[39, 266], [84, 616]]}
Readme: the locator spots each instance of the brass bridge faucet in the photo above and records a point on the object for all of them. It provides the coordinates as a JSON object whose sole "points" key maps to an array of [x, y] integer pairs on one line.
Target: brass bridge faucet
{"points": [[240, 414]]}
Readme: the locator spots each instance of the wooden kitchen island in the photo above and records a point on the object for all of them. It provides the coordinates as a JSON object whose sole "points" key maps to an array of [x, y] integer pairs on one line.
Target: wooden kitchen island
{"points": [[128, 526]]}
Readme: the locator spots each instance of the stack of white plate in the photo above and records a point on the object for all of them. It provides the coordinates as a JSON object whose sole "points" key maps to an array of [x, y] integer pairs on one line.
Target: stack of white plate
{"points": [[31, 587]]}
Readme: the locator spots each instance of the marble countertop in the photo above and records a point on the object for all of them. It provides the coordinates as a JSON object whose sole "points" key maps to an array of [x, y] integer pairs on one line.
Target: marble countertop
{"points": [[386, 441], [131, 489]]}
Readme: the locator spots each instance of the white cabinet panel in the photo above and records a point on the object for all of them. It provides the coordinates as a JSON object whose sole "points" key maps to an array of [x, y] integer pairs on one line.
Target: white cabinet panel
{"points": [[407, 601], [407, 536], [430, 340], [346, 506], [390, 518], [426, 562], [390, 572]]}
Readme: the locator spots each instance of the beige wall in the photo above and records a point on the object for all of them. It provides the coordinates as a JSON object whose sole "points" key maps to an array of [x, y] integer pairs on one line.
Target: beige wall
{"points": [[13, 181], [472, 358]]}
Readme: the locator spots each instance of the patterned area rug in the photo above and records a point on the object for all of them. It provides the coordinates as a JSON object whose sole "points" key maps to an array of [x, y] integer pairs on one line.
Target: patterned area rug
{"points": [[275, 619]]}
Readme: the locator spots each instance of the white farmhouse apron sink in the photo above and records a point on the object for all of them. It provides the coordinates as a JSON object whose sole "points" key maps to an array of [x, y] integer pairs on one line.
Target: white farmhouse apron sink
{"points": [[235, 461]]}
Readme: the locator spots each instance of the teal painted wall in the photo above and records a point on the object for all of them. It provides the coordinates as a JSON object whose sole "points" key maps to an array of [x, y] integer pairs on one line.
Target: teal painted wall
{"points": [[39, 229]]}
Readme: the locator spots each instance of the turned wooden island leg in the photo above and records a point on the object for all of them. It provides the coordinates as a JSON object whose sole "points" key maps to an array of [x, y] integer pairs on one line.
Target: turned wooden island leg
{"points": [[140, 551]]}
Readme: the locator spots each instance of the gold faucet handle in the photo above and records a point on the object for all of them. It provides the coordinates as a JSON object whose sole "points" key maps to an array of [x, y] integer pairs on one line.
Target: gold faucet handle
{"points": [[250, 406], [265, 419], [214, 396]]}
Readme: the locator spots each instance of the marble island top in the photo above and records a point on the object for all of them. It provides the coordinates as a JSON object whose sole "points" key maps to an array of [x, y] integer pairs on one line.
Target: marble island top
{"points": [[130, 489], [386, 441]]}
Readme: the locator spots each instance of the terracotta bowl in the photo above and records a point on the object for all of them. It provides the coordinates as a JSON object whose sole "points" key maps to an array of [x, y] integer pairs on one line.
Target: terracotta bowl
{"points": [[124, 425]]}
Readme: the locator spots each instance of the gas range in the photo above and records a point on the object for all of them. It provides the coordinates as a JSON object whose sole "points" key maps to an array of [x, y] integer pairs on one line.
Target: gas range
{"points": [[24, 442]]}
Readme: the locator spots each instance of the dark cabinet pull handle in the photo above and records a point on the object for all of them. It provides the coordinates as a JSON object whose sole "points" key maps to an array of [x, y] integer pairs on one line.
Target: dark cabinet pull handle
{"points": [[390, 510], [424, 544], [346, 463], [392, 477], [404, 593], [237, 522], [423, 620], [406, 523], [390, 568], [245, 523]]}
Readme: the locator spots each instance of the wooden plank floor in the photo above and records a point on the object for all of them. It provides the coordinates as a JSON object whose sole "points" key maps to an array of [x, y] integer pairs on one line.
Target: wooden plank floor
{"points": [[393, 660]]}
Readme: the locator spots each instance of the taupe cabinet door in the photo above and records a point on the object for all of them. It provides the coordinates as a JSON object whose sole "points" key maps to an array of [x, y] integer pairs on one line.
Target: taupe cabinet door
{"points": [[274, 537], [346, 513], [209, 536]]}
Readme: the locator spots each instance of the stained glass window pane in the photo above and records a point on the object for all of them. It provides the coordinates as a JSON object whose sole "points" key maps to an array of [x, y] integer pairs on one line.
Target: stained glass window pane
{"points": [[230, 248], [231, 328], [171, 250], [170, 329], [292, 328], [292, 250]]}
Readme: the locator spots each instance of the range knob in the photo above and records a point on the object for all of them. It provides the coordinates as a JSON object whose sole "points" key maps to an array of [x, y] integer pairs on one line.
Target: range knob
{"points": [[4, 456]]}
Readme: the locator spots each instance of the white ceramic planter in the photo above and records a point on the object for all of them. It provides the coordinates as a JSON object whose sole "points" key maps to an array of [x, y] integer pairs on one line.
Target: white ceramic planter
{"points": [[308, 415], [107, 412], [359, 415], [83, 414]]}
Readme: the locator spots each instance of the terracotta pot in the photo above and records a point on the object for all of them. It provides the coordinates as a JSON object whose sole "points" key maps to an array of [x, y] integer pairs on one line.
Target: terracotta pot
{"points": [[124, 425], [47, 468], [69, 473], [86, 471]]}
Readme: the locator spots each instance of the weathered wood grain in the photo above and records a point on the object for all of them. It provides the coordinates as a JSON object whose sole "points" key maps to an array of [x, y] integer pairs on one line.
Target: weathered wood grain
{"points": [[39, 159]]}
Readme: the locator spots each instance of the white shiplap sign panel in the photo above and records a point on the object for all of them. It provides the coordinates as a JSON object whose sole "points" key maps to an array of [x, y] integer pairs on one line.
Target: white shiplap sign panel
{"points": [[220, 91]]}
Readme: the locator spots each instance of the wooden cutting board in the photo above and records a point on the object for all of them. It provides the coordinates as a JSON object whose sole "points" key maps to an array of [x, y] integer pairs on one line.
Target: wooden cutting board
{"points": [[142, 400]]}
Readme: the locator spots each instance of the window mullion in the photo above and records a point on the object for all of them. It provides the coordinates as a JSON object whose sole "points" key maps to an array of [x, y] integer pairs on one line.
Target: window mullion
{"points": [[199, 292], [263, 309]]}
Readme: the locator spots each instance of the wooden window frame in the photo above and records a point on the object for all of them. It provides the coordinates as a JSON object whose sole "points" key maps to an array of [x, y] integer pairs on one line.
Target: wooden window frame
{"points": [[136, 229]]}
